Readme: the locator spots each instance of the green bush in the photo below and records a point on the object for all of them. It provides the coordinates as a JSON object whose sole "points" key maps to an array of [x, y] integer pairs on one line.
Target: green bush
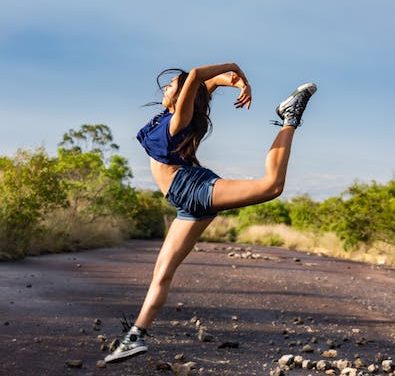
{"points": [[85, 185], [303, 212], [29, 187], [368, 214], [274, 211]]}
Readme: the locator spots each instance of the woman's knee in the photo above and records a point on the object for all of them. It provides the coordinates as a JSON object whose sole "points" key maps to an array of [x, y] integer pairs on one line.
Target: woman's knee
{"points": [[273, 187]]}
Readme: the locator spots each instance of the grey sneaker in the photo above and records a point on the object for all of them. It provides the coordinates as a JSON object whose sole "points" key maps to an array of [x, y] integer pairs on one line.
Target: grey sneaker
{"points": [[131, 345], [291, 109]]}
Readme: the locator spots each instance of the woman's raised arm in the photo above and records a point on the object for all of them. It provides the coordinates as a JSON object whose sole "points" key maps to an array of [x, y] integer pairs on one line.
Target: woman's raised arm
{"points": [[230, 79], [185, 102]]}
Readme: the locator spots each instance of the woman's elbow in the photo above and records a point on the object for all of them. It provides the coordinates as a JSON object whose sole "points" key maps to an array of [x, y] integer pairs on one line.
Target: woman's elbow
{"points": [[195, 74]]}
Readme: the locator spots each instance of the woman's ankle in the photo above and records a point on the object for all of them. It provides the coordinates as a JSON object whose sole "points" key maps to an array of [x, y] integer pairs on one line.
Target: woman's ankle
{"points": [[137, 329]]}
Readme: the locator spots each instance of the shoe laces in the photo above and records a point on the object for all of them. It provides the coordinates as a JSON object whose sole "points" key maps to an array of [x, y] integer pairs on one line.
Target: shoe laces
{"points": [[279, 123], [127, 325]]}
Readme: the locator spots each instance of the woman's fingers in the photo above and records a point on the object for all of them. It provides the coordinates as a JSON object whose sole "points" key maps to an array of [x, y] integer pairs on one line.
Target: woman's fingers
{"points": [[244, 97], [242, 100]]}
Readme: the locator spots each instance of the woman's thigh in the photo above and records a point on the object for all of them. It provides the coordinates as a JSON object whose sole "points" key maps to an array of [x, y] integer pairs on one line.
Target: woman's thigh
{"points": [[179, 241], [234, 193]]}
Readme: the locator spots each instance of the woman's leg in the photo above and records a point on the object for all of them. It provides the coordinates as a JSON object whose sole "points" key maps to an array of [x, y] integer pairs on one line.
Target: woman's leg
{"points": [[179, 241], [231, 193]]}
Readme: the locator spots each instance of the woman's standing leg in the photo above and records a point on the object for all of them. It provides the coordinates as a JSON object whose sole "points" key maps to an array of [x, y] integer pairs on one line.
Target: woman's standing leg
{"points": [[179, 242]]}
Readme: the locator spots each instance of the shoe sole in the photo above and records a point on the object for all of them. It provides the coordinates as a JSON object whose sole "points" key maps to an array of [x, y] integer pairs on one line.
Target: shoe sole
{"points": [[311, 87], [126, 354]]}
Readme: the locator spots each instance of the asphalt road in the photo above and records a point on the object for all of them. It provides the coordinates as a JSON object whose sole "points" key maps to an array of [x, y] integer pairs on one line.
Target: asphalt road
{"points": [[282, 301]]}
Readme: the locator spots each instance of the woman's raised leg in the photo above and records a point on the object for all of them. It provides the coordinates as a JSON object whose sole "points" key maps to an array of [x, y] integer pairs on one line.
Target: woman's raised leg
{"points": [[233, 193]]}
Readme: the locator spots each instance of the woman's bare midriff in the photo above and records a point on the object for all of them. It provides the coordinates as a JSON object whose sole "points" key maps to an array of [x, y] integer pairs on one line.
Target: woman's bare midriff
{"points": [[163, 174]]}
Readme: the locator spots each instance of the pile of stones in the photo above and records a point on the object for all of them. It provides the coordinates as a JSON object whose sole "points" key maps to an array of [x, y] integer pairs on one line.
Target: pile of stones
{"points": [[383, 366]]}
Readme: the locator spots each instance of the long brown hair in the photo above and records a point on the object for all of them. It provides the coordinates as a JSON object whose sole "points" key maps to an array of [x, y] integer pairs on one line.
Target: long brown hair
{"points": [[200, 123]]}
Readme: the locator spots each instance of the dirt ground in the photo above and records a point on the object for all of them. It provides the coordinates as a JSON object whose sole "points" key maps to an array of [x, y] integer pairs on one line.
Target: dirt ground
{"points": [[282, 301]]}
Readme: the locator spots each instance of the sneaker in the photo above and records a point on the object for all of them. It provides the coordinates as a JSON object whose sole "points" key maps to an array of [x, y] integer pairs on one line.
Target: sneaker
{"points": [[131, 345], [291, 109]]}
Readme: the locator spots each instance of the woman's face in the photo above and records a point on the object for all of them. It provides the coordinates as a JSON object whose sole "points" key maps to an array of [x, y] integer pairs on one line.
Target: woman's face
{"points": [[169, 94]]}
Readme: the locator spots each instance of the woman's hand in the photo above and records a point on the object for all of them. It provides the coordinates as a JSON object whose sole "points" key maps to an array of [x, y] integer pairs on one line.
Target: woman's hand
{"points": [[240, 80]]}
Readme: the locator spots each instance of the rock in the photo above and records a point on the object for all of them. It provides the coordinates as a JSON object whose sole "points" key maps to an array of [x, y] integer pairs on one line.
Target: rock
{"points": [[307, 348], [203, 336], [179, 356], [323, 365], [102, 338], [193, 319], [183, 369], [97, 322], [37, 340], [78, 265], [348, 371], [373, 368], [114, 344], [298, 360], [256, 256], [82, 331], [29, 285], [330, 353], [231, 254], [74, 363], [179, 306], [307, 364], [174, 323], [234, 318], [101, 364], [387, 365], [359, 363], [330, 372], [286, 360], [342, 363], [229, 344], [298, 321], [277, 372]]}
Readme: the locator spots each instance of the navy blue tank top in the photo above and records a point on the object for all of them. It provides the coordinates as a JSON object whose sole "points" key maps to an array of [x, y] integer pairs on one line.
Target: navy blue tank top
{"points": [[158, 143]]}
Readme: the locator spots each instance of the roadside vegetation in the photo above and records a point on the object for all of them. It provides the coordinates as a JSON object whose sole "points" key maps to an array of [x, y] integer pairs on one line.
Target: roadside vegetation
{"points": [[83, 198]]}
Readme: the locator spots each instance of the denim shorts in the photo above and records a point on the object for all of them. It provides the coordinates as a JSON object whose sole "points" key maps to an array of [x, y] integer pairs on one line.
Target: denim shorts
{"points": [[191, 192]]}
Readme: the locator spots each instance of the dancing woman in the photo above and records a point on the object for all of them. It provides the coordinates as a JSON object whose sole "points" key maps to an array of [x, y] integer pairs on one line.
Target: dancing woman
{"points": [[171, 140]]}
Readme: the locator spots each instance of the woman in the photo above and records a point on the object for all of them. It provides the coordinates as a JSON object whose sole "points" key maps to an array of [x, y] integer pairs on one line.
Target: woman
{"points": [[171, 140]]}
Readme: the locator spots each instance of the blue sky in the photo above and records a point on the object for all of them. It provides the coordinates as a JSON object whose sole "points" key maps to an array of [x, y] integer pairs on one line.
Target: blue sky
{"points": [[63, 64]]}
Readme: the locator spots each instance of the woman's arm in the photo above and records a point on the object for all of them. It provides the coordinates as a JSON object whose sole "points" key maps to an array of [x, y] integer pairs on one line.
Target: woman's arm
{"points": [[233, 80], [184, 109], [224, 79]]}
